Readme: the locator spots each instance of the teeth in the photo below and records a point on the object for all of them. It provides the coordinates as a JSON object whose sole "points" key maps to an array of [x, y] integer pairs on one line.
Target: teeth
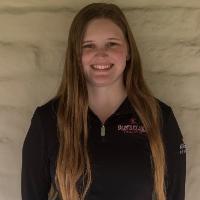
{"points": [[101, 66]]}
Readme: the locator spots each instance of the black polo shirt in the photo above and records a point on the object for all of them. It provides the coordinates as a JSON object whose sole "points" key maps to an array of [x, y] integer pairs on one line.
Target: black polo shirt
{"points": [[119, 151]]}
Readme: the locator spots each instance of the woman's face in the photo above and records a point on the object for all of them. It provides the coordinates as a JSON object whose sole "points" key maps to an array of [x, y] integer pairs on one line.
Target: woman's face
{"points": [[104, 53]]}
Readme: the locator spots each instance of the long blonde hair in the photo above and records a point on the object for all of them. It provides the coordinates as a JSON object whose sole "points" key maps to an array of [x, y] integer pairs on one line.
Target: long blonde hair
{"points": [[73, 162]]}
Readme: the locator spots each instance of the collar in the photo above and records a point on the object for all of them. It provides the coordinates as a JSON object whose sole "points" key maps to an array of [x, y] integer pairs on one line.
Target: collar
{"points": [[125, 108]]}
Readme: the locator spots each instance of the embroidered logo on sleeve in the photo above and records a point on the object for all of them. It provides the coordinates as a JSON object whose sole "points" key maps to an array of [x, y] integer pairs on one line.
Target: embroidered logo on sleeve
{"points": [[131, 127], [182, 148]]}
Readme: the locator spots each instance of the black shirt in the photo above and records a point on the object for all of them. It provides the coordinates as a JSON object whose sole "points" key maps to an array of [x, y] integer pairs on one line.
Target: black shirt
{"points": [[121, 160]]}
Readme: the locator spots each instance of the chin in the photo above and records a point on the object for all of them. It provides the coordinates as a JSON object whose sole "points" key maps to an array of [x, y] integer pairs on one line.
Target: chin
{"points": [[99, 84]]}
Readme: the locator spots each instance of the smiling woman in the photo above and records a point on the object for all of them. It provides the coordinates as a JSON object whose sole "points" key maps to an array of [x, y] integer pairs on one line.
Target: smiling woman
{"points": [[104, 136], [104, 54]]}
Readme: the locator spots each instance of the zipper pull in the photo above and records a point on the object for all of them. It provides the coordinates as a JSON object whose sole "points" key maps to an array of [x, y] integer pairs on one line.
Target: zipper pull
{"points": [[103, 132]]}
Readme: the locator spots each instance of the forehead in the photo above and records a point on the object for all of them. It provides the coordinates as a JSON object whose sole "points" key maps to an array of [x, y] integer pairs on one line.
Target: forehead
{"points": [[103, 28]]}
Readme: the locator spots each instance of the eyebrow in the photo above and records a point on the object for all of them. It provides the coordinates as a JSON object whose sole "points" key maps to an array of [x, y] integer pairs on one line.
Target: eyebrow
{"points": [[87, 41]]}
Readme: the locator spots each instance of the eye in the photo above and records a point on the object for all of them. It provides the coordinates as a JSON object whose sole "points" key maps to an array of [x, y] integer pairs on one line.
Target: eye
{"points": [[88, 46], [111, 44]]}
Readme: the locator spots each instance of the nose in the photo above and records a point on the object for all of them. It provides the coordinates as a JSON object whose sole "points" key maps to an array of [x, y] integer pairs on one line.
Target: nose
{"points": [[101, 52]]}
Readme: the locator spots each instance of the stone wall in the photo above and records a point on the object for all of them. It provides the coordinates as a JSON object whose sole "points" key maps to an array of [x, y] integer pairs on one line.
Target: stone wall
{"points": [[32, 47]]}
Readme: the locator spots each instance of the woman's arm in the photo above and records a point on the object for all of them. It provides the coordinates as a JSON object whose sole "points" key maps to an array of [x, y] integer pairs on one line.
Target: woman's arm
{"points": [[176, 159], [35, 176]]}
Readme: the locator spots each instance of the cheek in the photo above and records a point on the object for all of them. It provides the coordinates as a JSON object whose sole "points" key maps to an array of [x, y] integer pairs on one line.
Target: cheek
{"points": [[119, 54], [86, 57]]}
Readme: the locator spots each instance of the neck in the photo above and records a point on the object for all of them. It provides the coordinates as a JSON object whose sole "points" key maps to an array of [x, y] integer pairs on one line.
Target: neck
{"points": [[106, 95], [105, 100]]}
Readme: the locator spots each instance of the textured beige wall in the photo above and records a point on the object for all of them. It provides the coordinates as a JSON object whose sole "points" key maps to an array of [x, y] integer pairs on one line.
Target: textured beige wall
{"points": [[32, 46]]}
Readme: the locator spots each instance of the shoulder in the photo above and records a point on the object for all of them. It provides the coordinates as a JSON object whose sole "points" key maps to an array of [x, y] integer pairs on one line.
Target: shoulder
{"points": [[165, 109], [48, 109], [167, 117], [42, 122], [42, 132], [47, 116], [166, 114], [169, 127]]}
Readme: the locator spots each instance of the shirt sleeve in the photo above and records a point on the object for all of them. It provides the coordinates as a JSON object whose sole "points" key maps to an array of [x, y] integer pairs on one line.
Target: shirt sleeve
{"points": [[35, 174], [176, 160]]}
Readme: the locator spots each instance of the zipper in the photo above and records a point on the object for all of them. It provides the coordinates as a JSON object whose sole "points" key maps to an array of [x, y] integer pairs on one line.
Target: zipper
{"points": [[103, 127], [103, 130], [103, 133]]}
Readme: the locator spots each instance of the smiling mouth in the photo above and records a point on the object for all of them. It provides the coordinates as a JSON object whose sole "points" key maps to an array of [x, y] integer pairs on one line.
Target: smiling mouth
{"points": [[102, 67]]}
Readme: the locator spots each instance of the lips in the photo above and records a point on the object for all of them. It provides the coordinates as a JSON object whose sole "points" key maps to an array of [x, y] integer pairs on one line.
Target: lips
{"points": [[102, 67]]}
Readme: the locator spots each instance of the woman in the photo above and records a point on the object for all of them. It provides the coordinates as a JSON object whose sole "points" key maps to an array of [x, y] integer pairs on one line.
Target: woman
{"points": [[104, 136]]}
